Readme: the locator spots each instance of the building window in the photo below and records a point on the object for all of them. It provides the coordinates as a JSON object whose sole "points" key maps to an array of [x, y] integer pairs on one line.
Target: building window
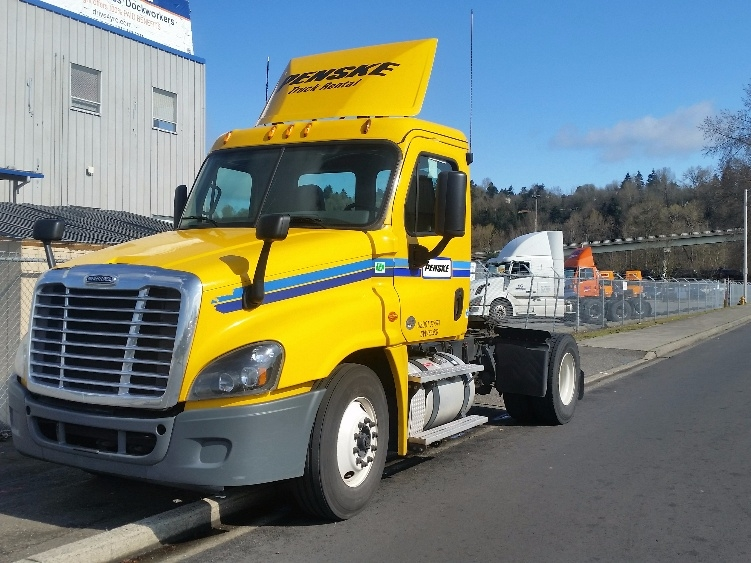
{"points": [[165, 110], [85, 89]]}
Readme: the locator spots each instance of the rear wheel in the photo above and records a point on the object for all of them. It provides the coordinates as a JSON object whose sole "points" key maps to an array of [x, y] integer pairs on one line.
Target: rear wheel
{"points": [[641, 308], [559, 403], [348, 445], [619, 311], [592, 310]]}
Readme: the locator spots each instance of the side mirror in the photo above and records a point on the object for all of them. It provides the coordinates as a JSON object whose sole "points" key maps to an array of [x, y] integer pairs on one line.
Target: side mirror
{"points": [[450, 217], [451, 204], [47, 230], [181, 198], [272, 227], [269, 228]]}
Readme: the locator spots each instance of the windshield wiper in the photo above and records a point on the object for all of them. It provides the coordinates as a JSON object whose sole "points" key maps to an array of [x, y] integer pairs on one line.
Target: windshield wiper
{"points": [[202, 219]]}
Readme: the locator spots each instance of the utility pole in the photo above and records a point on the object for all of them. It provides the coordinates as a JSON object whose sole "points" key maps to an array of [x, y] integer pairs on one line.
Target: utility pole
{"points": [[745, 244], [536, 196]]}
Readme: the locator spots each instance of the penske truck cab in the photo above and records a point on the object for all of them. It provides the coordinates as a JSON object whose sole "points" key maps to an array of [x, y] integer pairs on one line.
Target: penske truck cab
{"points": [[306, 317]]}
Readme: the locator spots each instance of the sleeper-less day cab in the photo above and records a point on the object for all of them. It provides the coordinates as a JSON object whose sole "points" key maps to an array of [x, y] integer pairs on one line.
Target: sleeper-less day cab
{"points": [[307, 315]]}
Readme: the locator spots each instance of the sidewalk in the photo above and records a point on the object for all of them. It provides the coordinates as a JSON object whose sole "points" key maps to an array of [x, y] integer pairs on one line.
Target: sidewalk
{"points": [[604, 356]]}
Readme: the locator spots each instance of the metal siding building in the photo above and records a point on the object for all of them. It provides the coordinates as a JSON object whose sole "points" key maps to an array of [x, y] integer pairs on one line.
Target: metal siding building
{"points": [[119, 157]]}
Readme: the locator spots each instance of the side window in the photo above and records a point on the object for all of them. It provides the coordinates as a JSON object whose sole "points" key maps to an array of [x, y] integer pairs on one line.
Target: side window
{"points": [[520, 269], [587, 274], [85, 89], [229, 196], [419, 211]]}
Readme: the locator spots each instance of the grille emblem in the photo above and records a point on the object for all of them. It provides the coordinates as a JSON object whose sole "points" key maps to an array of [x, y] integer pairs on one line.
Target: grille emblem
{"points": [[101, 279]]}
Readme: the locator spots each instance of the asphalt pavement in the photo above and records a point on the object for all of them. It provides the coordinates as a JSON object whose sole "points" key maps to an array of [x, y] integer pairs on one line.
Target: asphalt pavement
{"points": [[602, 356]]}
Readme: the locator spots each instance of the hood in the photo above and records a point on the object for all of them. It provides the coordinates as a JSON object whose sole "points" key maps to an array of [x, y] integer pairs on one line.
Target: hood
{"points": [[228, 257]]}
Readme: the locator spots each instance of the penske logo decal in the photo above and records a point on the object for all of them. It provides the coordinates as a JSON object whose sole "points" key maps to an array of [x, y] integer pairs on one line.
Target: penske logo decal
{"points": [[438, 268], [324, 79]]}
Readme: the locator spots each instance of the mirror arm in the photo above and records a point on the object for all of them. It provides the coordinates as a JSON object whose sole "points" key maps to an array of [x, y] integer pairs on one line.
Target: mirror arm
{"points": [[419, 256], [253, 294]]}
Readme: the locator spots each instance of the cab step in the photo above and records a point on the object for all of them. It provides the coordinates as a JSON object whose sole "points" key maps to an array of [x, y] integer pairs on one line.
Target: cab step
{"points": [[444, 373], [427, 437]]}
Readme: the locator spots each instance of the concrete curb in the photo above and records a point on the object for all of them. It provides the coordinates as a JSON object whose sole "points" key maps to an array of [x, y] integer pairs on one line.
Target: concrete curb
{"points": [[150, 533], [666, 350]]}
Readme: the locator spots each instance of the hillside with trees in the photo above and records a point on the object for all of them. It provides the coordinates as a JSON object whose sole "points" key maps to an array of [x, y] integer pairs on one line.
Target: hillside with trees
{"points": [[658, 204]]}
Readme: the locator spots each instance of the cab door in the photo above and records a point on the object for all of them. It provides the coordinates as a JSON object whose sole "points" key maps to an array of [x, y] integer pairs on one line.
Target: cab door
{"points": [[434, 299], [520, 284]]}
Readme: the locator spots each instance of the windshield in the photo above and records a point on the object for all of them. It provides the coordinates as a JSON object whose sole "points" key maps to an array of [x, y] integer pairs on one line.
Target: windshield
{"points": [[318, 185]]}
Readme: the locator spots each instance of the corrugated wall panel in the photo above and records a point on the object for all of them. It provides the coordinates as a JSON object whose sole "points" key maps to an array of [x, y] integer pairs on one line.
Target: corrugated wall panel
{"points": [[135, 167]]}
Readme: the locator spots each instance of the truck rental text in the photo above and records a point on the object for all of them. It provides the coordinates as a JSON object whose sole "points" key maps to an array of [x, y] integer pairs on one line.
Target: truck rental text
{"points": [[307, 316]]}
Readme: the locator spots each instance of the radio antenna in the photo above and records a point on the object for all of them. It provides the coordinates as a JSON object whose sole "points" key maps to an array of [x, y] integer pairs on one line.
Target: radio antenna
{"points": [[471, 80], [268, 60]]}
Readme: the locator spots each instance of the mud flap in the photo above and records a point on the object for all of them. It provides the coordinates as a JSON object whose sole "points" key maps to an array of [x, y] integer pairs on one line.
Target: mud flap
{"points": [[521, 359]]}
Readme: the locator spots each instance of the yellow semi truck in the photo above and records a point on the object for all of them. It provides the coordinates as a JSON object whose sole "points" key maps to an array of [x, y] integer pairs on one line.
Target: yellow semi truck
{"points": [[306, 317]]}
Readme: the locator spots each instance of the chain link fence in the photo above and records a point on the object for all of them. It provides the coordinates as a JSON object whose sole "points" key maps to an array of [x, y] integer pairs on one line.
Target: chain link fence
{"points": [[572, 305], [20, 266]]}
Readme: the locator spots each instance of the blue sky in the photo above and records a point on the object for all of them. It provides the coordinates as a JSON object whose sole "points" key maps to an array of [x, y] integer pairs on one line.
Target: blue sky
{"points": [[565, 93]]}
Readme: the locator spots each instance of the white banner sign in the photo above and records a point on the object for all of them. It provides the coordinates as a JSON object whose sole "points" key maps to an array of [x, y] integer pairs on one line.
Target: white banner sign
{"points": [[166, 22]]}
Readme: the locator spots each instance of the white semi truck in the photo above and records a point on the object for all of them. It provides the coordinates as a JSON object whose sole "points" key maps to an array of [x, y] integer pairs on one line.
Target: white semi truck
{"points": [[524, 279]]}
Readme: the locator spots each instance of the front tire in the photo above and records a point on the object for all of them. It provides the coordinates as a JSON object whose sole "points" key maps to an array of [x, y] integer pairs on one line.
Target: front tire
{"points": [[348, 446], [500, 311], [564, 379]]}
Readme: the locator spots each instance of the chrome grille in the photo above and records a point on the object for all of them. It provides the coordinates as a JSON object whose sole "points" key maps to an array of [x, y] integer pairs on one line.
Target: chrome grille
{"points": [[106, 341]]}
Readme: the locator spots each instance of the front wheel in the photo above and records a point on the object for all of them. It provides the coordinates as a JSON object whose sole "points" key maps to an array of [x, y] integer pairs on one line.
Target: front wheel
{"points": [[564, 380], [348, 446], [500, 311]]}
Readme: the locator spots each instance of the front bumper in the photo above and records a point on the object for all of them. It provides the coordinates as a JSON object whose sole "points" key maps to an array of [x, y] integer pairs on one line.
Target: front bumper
{"points": [[211, 448]]}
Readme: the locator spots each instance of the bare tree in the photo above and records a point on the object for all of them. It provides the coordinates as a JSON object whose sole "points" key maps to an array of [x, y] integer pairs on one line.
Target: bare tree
{"points": [[728, 135]]}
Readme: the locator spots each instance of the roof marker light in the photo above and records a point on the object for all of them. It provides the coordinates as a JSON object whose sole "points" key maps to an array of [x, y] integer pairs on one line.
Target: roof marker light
{"points": [[271, 132], [227, 135], [366, 126], [288, 132], [307, 129]]}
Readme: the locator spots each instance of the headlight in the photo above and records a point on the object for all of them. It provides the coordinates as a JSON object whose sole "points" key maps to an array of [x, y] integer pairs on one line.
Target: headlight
{"points": [[21, 362], [246, 371]]}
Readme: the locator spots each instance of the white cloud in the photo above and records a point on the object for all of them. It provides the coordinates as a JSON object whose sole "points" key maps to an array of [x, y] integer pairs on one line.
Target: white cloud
{"points": [[672, 135]]}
